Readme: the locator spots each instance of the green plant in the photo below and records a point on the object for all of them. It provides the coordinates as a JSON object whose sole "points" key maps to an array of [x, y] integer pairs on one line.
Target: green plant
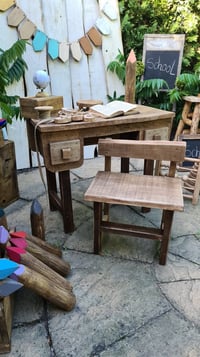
{"points": [[140, 17], [148, 92], [186, 84], [12, 68]]}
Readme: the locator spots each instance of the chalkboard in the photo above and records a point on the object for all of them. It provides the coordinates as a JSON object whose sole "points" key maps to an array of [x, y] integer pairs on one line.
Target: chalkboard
{"points": [[162, 64], [192, 147], [162, 57]]}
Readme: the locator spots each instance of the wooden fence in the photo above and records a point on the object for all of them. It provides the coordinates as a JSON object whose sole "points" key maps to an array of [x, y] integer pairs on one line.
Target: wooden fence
{"points": [[63, 23]]}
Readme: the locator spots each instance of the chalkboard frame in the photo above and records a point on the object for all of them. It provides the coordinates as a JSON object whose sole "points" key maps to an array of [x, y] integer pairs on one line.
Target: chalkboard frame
{"points": [[192, 150], [163, 44]]}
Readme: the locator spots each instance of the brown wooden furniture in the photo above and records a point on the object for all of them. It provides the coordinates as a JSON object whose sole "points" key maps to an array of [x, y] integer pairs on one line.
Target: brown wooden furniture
{"points": [[190, 117], [9, 191], [160, 192], [6, 313], [61, 146], [191, 181]]}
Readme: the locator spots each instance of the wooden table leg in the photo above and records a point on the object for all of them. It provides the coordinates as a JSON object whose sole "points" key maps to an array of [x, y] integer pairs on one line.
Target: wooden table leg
{"points": [[52, 187], [66, 201]]}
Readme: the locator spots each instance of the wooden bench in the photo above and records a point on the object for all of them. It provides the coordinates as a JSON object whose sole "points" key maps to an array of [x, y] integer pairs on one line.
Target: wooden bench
{"points": [[151, 191]]}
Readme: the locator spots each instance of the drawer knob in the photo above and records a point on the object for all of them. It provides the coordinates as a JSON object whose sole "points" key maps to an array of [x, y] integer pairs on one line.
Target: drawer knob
{"points": [[66, 153]]}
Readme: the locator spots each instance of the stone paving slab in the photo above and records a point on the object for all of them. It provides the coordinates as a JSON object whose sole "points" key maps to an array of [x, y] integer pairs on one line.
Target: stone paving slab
{"points": [[127, 304]]}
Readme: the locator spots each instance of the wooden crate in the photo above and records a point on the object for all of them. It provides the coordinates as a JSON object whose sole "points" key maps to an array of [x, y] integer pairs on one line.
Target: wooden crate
{"points": [[27, 105], [9, 191], [6, 311]]}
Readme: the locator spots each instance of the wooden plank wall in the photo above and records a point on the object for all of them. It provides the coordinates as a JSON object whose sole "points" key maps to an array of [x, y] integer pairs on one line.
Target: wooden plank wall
{"points": [[64, 20]]}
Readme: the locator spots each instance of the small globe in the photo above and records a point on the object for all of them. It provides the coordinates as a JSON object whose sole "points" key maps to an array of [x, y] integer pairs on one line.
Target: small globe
{"points": [[41, 79]]}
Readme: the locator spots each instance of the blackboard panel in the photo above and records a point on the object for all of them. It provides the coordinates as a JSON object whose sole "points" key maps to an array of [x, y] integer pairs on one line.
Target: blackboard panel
{"points": [[192, 147], [163, 65]]}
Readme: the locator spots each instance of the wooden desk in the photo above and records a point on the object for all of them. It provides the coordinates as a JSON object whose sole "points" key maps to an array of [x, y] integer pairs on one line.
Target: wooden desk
{"points": [[61, 146]]}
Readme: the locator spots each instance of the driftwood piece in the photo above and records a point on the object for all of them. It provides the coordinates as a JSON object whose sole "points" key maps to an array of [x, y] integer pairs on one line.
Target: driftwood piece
{"points": [[44, 287], [21, 255], [53, 261], [37, 220], [130, 80], [41, 243], [6, 312]]}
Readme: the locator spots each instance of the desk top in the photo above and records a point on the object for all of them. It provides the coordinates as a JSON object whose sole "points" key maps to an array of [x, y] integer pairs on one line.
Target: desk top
{"points": [[143, 114], [61, 145]]}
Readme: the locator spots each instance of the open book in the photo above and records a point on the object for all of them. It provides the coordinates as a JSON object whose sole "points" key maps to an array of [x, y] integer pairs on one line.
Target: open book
{"points": [[113, 109]]}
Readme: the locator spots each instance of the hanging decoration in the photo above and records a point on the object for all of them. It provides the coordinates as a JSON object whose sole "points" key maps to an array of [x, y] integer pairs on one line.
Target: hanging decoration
{"points": [[60, 50], [6, 4], [15, 17], [26, 29], [39, 41]]}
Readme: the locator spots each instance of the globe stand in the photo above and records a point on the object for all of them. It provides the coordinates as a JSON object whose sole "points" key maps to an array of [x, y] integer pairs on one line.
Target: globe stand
{"points": [[41, 94]]}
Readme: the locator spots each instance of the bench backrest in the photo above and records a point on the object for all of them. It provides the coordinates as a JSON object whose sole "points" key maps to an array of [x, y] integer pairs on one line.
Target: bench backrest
{"points": [[158, 150]]}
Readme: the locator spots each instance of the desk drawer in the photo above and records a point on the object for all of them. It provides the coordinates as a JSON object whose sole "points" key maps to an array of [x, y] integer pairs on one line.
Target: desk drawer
{"points": [[66, 151]]}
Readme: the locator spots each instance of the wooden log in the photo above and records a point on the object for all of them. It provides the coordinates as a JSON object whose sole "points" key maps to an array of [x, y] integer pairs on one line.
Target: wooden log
{"points": [[37, 220], [6, 310], [56, 263], [43, 244], [43, 286], [130, 80], [19, 255]]}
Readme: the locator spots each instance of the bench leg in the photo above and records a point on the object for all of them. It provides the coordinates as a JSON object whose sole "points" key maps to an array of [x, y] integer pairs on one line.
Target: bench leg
{"points": [[167, 220], [97, 224]]}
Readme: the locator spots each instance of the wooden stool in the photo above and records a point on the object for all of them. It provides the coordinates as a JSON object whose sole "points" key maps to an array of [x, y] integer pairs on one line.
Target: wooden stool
{"points": [[189, 118], [191, 181]]}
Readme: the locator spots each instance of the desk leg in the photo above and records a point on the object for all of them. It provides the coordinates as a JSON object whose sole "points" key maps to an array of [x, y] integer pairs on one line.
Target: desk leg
{"points": [[52, 188], [125, 160], [64, 202]]}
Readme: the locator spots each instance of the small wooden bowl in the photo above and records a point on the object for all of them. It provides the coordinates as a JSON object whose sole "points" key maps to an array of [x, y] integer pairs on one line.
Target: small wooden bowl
{"points": [[77, 117]]}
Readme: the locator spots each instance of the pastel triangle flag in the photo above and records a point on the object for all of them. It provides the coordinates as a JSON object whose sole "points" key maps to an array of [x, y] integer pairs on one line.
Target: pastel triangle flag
{"points": [[64, 51], [9, 286], [103, 26], [39, 41], [4, 235], [53, 48], [76, 51], [7, 267], [86, 45]]}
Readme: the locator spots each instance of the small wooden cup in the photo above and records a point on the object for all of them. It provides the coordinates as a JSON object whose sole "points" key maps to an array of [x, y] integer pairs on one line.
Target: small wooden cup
{"points": [[44, 111]]}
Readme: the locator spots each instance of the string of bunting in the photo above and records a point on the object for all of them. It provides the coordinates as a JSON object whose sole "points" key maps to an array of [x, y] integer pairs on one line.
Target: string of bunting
{"points": [[59, 50]]}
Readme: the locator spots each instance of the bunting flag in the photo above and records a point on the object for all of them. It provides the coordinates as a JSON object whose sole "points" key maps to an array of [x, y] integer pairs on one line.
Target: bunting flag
{"points": [[6, 4], [60, 50], [15, 17], [26, 29], [76, 51], [53, 48], [39, 41], [86, 45], [63, 51]]}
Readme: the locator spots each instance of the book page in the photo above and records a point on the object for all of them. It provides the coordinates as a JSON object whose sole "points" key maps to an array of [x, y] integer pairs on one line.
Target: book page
{"points": [[114, 108]]}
